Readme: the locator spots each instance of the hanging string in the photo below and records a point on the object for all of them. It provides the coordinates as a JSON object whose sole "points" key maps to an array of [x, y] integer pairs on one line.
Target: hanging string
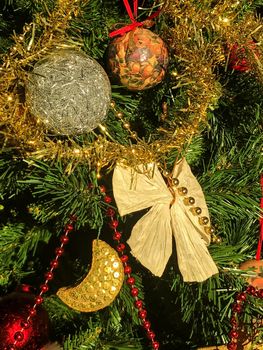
{"points": [[260, 241], [133, 16]]}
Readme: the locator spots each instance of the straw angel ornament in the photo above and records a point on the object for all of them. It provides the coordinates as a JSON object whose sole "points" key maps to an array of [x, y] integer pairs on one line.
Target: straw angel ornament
{"points": [[178, 210]]}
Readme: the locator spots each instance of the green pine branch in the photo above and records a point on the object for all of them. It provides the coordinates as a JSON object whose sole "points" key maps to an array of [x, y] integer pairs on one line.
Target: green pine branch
{"points": [[60, 191]]}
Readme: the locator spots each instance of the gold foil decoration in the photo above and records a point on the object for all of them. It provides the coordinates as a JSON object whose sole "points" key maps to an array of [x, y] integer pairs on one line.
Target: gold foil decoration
{"points": [[102, 284], [198, 35]]}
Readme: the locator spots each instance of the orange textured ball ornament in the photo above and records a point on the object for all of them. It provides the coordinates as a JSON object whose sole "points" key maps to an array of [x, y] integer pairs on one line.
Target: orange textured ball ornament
{"points": [[254, 269], [138, 59]]}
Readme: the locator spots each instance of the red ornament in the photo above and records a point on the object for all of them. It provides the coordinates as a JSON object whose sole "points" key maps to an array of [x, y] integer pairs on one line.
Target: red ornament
{"points": [[239, 56], [14, 310], [138, 59]]}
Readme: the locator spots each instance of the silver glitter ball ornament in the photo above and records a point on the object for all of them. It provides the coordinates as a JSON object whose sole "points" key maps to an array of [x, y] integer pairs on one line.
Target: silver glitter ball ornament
{"points": [[69, 91]]}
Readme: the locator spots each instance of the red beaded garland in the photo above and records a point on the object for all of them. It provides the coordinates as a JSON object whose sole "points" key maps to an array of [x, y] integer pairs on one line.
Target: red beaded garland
{"points": [[156, 345], [147, 325], [19, 335], [44, 288], [142, 314], [117, 236], [54, 264], [102, 188], [113, 224], [233, 334], [25, 325], [107, 199], [124, 258], [110, 212], [138, 304], [127, 270], [130, 280], [232, 346], [241, 296], [233, 321], [134, 292], [39, 300], [32, 312], [120, 247], [237, 307], [64, 239], [49, 276], [150, 334], [59, 251], [69, 227], [251, 290]]}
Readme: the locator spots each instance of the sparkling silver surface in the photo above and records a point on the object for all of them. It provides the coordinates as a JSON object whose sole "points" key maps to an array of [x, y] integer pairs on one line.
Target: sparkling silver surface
{"points": [[69, 91]]}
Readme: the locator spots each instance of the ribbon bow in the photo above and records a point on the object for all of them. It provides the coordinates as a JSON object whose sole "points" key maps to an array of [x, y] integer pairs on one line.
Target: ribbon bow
{"points": [[132, 16], [151, 237]]}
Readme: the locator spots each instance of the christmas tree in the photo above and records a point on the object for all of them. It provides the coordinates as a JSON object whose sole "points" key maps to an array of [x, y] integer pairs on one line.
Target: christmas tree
{"points": [[131, 157]]}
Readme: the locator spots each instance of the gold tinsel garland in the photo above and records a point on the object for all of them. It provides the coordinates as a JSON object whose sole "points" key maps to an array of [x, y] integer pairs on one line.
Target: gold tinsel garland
{"points": [[197, 57]]}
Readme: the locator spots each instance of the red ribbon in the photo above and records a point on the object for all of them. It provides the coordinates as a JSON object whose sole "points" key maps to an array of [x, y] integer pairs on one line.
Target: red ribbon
{"points": [[260, 241], [132, 16]]}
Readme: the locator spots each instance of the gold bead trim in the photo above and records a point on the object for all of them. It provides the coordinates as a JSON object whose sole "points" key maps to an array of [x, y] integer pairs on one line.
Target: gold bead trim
{"points": [[195, 210]]}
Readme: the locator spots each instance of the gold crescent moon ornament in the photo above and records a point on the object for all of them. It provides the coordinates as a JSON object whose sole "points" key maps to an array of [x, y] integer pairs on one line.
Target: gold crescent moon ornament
{"points": [[102, 284]]}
